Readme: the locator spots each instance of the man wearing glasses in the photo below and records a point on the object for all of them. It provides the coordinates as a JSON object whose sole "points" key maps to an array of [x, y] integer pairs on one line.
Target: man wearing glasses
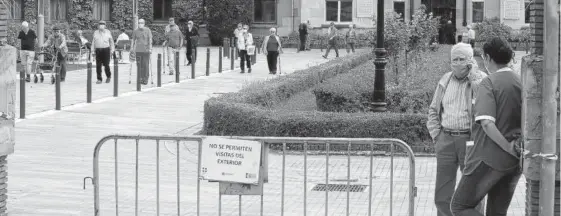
{"points": [[449, 122], [142, 46]]}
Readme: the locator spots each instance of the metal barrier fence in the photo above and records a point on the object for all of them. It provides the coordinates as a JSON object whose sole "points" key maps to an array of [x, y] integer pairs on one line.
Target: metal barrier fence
{"points": [[267, 142]]}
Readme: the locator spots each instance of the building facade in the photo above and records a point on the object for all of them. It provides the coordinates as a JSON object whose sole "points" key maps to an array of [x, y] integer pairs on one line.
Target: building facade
{"points": [[288, 14]]}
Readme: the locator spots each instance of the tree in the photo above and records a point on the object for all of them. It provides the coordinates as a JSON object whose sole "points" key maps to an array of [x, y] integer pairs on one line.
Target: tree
{"points": [[5, 6], [224, 15]]}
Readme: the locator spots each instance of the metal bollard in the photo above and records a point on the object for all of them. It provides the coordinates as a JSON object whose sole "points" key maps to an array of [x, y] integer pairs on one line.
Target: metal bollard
{"points": [[220, 60], [57, 89], [115, 78], [89, 82], [232, 59], [138, 87], [224, 45], [208, 61], [193, 70], [237, 53], [177, 67], [254, 57], [159, 69], [22, 93]]}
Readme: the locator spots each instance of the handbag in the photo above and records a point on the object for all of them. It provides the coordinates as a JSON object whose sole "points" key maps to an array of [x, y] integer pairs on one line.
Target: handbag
{"points": [[250, 50]]}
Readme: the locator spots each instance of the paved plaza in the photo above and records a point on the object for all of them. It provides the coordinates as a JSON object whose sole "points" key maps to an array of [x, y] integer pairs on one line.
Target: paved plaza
{"points": [[54, 152]]}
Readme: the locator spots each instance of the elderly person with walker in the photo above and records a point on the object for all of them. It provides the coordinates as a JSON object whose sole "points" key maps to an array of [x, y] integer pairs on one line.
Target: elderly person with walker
{"points": [[272, 47]]}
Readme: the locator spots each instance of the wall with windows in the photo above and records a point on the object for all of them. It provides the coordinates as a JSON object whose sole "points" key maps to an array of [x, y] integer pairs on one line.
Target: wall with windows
{"points": [[322, 12], [479, 9]]}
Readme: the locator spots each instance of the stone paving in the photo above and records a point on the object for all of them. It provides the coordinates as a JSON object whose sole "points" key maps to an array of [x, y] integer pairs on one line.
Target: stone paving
{"points": [[54, 152]]}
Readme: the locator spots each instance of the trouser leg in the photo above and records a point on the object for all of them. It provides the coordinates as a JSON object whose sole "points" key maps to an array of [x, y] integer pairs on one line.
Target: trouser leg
{"points": [[106, 60], [270, 61], [446, 171], [98, 63], [171, 59]]}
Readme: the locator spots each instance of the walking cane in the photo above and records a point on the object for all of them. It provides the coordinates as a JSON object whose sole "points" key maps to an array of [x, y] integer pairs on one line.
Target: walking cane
{"points": [[280, 70]]}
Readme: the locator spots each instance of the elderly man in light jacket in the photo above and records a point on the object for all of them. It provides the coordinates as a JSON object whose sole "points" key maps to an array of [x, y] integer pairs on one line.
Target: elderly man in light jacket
{"points": [[245, 39], [272, 47], [450, 121]]}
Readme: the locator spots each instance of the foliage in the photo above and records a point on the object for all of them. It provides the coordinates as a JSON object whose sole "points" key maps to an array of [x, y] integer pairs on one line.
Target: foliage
{"points": [[396, 33], [183, 11], [80, 14], [121, 15], [521, 35], [423, 28], [352, 92], [490, 28], [318, 38], [224, 15]]}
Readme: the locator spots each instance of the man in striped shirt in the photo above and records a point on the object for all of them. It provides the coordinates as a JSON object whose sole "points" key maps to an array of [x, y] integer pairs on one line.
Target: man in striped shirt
{"points": [[450, 119]]}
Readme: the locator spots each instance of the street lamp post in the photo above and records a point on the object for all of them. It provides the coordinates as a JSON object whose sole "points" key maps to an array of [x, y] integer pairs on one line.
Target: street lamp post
{"points": [[135, 14], [379, 104]]}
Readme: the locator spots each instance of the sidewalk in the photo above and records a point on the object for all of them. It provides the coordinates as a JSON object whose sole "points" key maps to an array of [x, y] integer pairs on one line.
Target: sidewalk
{"points": [[54, 153]]}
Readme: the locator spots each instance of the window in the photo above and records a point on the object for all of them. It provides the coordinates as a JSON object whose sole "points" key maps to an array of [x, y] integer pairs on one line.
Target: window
{"points": [[399, 7], [58, 10], [16, 9], [162, 9], [478, 11], [102, 10], [265, 11], [526, 12], [339, 11]]}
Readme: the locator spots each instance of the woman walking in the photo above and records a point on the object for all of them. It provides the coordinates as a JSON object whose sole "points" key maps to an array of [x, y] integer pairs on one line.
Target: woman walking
{"points": [[492, 159], [351, 38], [272, 48]]}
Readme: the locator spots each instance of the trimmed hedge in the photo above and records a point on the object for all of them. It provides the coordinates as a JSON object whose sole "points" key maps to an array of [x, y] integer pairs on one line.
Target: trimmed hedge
{"points": [[318, 38], [352, 92], [249, 112]]}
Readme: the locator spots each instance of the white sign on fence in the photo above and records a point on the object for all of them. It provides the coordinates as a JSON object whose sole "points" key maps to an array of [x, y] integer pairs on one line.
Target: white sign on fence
{"points": [[364, 8], [229, 160]]}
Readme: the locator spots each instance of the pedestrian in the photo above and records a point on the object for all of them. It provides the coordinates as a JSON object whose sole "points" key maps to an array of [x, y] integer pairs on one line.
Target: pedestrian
{"points": [[174, 42], [308, 40], [492, 158], [58, 42], [303, 33], [272, 47], [103, 46], [192, 37], [171, 22], [331, 41], [471, 36], [244, 40], [122, 38], [83, 41], [449, 122], [351, 38], [142, 47], [449, 30], [28, 39], [238, 31]]}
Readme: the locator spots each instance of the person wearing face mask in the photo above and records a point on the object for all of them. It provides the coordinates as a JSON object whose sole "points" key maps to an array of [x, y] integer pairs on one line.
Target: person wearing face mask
{"points": [[142, 48], [450, 119], [192, 37], [103, 46], [244, 40], [58, 41], [493, 161], [272, 47]]}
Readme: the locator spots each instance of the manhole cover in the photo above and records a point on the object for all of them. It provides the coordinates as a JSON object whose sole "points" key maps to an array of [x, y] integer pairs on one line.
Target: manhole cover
{"points": [[339, 187]]}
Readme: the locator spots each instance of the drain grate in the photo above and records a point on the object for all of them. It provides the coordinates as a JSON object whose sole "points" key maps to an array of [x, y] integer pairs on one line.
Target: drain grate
{"points": [[339, 187]]}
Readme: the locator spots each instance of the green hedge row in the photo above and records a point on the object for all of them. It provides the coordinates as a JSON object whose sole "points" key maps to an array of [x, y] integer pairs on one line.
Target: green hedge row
{"points": [[249, 112], [412, 93], [318, 39]]}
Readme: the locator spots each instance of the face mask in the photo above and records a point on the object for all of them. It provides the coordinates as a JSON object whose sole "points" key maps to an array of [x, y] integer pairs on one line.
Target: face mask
{"points": [[244, 31], [141, 25], [101, 27], [460, 70]]}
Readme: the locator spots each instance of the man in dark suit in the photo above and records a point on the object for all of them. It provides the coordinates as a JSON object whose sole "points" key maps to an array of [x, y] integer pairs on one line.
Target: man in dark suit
{"points": [[192, 37]]}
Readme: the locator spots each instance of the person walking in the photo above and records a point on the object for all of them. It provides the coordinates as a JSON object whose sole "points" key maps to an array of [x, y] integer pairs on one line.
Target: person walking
{"points": [[331, 41], [350, 38], [174, 42], [192, 37], [303, 33], [244, 40], [308, 40], [449, 30], [471, 36], [449, 122], [142, 47], [103, 46], [171, 23], [58, 41], [83, 41], [272, 47], [493, 158], [122, 38], [28, 39]]}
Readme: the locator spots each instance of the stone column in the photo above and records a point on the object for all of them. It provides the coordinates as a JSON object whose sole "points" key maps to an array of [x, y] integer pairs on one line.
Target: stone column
{"points": [[7, 116]]}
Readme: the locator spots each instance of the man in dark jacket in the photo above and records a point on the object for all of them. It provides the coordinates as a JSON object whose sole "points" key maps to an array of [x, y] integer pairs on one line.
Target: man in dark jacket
{"points": [[192, 38], [303, 32]]}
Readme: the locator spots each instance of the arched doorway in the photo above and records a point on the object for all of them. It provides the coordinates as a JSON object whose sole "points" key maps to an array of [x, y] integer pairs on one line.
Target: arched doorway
{"points": [[446, 10]]}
